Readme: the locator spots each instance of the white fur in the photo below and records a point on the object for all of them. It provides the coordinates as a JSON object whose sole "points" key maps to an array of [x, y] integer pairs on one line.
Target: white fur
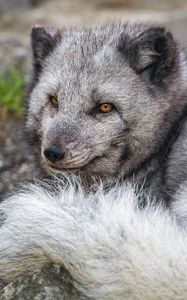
{"points": [[112, 249]]}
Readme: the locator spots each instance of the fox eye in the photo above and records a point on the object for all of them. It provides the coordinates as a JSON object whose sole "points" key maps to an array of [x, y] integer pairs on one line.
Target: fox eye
{"points": [[104, 108], [54, 101]]}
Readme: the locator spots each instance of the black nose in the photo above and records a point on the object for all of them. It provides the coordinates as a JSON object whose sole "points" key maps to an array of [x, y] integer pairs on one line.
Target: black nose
{"points": [[54, 153]]}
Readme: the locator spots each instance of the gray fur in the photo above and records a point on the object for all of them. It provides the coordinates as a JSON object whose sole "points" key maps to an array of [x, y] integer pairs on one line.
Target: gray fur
{"points": [[139, 69]]}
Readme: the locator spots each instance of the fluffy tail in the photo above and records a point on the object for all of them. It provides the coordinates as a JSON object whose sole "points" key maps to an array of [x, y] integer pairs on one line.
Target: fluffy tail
{"points": [[111, 248]]}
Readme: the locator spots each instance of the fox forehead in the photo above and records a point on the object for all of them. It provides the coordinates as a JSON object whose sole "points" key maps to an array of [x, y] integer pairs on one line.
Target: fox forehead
{"points": [[73, 58], [77, 70], [82, 53]]}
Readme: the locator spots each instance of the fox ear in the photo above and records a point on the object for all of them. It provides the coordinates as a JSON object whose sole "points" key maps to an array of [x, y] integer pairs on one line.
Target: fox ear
{"points": [[43, 40], [152, 54]]}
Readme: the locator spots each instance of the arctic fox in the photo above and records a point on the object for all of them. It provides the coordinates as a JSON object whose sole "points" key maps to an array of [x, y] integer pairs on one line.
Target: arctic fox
{"points": [[110, 102], [107, 104]]}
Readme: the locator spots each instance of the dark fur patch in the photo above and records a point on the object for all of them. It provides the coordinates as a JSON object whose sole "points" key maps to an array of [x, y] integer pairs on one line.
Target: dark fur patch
{"points": [[2, 218], [152, 54], [34, 141], [126, 154], [43, 41]]}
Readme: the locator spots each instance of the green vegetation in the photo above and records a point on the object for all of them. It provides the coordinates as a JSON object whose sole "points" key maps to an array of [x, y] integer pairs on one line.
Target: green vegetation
{"points": [[12, 91]]}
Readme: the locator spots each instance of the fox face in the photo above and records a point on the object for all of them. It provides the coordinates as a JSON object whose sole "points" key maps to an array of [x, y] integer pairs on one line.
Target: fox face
{"points": [[105, 100]]}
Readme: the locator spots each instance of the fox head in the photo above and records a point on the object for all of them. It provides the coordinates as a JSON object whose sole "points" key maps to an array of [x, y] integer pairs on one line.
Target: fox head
{"points": [[104, 101]]}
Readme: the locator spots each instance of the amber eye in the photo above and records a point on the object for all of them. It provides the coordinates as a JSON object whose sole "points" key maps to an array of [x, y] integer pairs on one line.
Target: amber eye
{"points": [[54, 101], [105, 108]]}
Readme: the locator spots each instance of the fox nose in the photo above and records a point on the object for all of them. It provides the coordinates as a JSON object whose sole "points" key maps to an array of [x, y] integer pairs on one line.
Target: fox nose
{"points": [[54, 153]]}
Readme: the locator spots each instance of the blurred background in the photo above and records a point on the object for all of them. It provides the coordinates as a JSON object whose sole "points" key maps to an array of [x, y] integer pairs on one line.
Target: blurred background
{"points": [[16, 20]]}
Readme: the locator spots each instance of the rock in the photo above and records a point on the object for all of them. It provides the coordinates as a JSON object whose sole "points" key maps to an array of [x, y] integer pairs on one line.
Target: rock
{"points": [[51, 283], [16, 162], [14, 52], [11, 5], [140, 4]]}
